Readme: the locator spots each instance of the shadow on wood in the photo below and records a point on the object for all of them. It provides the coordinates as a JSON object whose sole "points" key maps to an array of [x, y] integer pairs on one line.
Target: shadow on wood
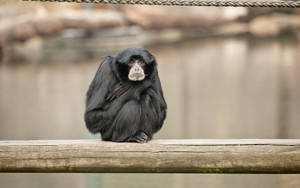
{"points": [[158, 156]]}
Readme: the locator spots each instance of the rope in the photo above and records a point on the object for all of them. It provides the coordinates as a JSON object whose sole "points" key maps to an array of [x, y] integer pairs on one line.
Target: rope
{"points": [[216, 3]]}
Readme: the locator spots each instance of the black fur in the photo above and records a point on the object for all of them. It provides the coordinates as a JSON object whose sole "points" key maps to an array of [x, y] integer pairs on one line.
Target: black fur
{"points": [[123, 110]]}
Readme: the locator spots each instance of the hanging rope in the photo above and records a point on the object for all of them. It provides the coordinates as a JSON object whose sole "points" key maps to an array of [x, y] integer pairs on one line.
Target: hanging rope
{"points": [[216, 3]]}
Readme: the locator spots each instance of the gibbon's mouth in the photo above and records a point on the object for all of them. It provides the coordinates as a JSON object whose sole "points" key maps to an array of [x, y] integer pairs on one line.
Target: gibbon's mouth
{"points": [[136, 77]]}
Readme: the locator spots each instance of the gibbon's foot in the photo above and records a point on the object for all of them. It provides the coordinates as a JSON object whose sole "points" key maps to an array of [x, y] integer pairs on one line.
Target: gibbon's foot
{"points": [[140, 137]]}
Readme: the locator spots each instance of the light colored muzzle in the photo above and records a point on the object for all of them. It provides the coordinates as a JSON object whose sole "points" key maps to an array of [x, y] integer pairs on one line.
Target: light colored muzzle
{"points": [[136, 73]]}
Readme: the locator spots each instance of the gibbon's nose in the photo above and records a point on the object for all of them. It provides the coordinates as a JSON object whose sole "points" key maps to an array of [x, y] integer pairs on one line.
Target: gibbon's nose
{"points": [[137, 69]]}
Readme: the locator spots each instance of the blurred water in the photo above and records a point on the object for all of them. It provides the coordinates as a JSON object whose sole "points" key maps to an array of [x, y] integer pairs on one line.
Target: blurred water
{"points": [[215, 88]]}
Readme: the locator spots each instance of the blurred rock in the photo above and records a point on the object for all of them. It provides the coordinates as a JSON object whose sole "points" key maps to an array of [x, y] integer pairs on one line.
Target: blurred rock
{"points": [[232, 29], [264, 26], [272, 25], [31, 50], [44, 22], [160, 17], [112, 24]]}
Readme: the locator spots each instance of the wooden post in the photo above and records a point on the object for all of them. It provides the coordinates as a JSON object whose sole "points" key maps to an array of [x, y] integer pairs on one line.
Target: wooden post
{"points": [[158, 156]]}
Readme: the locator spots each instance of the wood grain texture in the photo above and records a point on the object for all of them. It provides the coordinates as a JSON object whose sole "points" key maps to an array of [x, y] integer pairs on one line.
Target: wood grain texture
{"points": [[158, 156]]}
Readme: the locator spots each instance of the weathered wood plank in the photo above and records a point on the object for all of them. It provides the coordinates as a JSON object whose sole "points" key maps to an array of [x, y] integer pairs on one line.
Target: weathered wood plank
{"points": [[158, 156]]}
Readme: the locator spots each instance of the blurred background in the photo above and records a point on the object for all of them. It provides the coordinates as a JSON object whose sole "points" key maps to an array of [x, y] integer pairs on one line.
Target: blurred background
{"points": [[226, 73]]}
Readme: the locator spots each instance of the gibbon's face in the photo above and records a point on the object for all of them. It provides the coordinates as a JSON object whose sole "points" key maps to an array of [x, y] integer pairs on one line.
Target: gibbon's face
{"points": [[136, 70], [134, 64]]}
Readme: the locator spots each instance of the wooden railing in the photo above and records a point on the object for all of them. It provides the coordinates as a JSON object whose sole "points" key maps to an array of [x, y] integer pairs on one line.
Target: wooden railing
{"points": [[158, 156]]}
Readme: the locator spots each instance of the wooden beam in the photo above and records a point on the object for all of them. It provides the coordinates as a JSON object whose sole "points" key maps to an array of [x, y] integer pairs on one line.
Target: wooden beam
{"points": [[158, 156]]}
